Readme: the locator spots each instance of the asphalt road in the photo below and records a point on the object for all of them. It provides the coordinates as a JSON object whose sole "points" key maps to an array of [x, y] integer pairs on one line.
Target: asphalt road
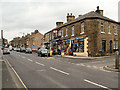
{"points": [[57, 72]]}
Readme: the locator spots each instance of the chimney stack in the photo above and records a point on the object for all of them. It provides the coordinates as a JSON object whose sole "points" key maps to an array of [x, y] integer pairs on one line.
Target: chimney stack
{"points": [[59, 23], [99, 11], [70, 17]]}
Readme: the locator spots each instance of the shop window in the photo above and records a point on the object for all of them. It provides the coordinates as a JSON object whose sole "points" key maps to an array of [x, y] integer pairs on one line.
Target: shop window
{"points": [[78, 46]]}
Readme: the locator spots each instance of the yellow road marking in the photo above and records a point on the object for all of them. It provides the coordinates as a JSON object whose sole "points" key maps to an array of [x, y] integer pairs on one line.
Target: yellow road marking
{"points": [[101, 68], [17, 75]]}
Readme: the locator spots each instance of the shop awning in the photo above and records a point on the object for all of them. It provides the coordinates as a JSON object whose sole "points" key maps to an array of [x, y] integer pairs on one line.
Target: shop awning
{"points": [[82, 37]]}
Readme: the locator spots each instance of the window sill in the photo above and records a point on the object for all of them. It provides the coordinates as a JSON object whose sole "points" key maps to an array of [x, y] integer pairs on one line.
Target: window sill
{"points": [[109, 33], [103, 32], [82, 33]]}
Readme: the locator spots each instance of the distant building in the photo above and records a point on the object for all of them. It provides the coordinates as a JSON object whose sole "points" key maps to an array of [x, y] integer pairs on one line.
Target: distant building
{"points": [[91, 34], [35, 40]]}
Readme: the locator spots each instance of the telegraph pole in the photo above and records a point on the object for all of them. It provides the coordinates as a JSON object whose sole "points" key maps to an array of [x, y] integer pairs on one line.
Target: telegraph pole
{"points": [[2, 43]]}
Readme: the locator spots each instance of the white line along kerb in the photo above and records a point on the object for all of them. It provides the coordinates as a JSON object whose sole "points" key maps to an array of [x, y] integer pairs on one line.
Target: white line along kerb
{"points": [[60, 71], [97, 84], [40, 63]]}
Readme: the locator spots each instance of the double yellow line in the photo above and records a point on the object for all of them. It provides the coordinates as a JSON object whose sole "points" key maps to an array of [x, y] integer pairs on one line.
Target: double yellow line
{"points": [[17, 75]]}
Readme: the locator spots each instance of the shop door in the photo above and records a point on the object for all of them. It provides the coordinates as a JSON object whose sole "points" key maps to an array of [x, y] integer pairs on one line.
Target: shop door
{"points": [[103, 46]]}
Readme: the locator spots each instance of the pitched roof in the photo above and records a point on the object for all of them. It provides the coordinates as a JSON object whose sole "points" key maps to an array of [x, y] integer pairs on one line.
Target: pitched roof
{"points": [[90, 15]]}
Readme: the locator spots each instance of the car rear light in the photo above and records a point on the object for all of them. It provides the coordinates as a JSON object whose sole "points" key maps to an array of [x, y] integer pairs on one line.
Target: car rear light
{"points": [[2, 48]]}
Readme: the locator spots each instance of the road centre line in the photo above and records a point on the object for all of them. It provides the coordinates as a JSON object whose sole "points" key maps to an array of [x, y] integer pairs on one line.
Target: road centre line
{"points": [[40, 63], [60, 71], [30, 60], [96, 84]]}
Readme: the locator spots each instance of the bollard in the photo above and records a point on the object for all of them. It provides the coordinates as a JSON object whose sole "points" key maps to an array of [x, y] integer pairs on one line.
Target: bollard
{"points": [[116, 60]]}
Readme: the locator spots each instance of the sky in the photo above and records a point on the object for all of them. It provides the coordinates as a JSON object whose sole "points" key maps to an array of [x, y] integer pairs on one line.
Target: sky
{"points": [[25, 16]]}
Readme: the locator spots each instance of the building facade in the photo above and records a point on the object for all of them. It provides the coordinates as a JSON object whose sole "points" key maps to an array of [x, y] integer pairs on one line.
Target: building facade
{"points": [[35, 40], [91, 34]]}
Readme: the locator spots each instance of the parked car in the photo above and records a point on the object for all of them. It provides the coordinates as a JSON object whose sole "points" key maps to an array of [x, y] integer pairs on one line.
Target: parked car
{"points": [[18, 49], [43, 52], [22, 49], [6, 51], [28, 50], [10, 48], [14, 49]]}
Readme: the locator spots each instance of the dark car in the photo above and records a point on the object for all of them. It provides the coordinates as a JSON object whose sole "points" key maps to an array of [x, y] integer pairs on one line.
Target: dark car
{"points": [[28, 50], [22, 49], [6, 51], [18, 49], [43, 52]]}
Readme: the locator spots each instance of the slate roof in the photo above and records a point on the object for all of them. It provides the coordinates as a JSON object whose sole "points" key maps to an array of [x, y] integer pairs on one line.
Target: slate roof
{"points": [[90, 15]]}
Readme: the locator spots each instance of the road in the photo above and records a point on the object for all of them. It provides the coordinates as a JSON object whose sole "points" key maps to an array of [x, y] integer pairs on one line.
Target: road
{"points": [[58, 72]]}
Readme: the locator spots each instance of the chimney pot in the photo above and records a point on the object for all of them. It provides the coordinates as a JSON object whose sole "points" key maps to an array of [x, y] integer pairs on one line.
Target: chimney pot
{"points": [[97, 7]]}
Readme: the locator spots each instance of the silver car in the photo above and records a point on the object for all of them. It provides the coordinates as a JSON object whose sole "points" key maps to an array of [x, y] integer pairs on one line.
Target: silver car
{"points": [[6, 51]]}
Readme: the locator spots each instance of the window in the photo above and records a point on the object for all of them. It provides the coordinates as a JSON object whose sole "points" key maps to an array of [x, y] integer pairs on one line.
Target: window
{"points": [[102, 27], [62, 33], [59, 33], [50, 36], [115, 29], [115, 44], [82, 27], [72, 30], [109, 29], [66, 32]]}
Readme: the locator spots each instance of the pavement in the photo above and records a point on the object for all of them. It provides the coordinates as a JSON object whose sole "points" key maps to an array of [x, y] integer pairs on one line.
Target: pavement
{"points": [[7, 79], [112, 68]]}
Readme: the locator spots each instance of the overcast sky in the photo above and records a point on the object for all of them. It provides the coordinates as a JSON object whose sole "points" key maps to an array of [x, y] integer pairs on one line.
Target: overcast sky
{"points": [[24, 16]]}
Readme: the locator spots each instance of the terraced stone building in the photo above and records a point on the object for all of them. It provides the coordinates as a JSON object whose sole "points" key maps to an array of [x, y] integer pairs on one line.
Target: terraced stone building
{"points": [[91, 34]]}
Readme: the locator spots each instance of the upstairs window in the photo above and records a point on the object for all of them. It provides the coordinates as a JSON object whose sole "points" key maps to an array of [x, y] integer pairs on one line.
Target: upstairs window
{"points": [[109, 29], [115, 29], [62, 33], [72, 30], [50, 36], [82, 27], [59, 33], [102, 27], [66, 32]]}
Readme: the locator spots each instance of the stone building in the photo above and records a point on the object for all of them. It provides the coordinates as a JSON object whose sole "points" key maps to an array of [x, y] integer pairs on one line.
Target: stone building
{"points": [[35, 40], [91, 34]]}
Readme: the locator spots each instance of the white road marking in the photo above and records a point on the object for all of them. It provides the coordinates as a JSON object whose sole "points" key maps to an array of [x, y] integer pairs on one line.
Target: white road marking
{"points": [[41, 70], [96, 84], [88, 66], [1, 60], [60, 71], [30, 60], [82, 64], [40, 63]]}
